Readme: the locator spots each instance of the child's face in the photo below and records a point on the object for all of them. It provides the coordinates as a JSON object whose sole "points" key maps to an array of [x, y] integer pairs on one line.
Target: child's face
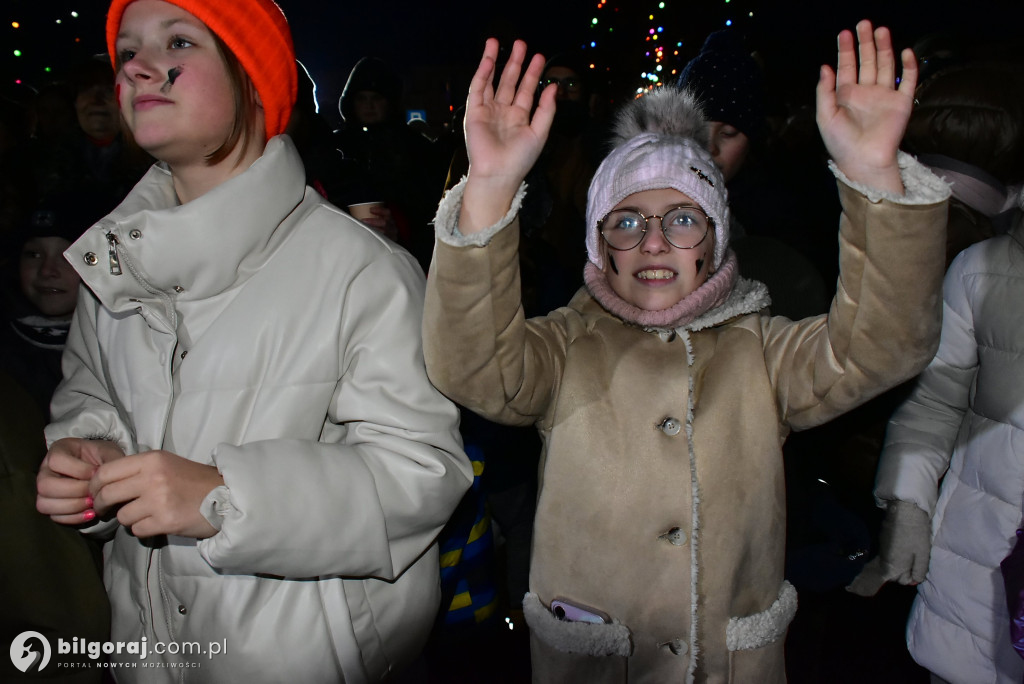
{"points": [[656, 275], [173, 85], [47, 279], [729, 147]]}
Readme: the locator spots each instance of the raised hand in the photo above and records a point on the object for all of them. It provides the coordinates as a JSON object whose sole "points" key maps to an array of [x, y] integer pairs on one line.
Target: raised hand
{"points": [[502, 139], [158, 493], [862, 114], [62, 484]]}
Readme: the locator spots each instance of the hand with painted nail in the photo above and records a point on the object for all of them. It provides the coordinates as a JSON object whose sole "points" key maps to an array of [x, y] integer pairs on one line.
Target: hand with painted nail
{"points": [[503, 138], [862, 114], [158, 493], [62, 484]]}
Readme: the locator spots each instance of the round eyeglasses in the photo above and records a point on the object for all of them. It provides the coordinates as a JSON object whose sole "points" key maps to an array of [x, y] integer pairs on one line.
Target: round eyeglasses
{"points": [[684, 227]]}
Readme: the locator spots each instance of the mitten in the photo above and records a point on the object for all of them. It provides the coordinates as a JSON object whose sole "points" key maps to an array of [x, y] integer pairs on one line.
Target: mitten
{"points": [[905, 546]]}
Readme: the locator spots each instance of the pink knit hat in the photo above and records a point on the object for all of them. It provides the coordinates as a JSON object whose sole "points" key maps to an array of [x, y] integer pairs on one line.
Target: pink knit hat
{"points": [[660, 142], [257, 32]]}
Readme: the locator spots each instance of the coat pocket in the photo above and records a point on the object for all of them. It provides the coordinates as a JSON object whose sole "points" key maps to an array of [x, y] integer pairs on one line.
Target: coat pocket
{"points": [[584, 638], [756, 642], [768, 626]]}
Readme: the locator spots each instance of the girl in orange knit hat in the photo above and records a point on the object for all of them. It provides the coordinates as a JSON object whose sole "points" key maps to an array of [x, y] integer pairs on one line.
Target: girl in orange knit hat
{"points": [[245, 410]]}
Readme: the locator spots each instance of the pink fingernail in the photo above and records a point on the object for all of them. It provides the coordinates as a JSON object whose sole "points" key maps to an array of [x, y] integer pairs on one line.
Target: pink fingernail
{"points": [[89, 501], [89, 515]]}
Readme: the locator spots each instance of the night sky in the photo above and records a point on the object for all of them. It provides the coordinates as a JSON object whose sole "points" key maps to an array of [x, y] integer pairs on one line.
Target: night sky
{"points": [[794, 36]]}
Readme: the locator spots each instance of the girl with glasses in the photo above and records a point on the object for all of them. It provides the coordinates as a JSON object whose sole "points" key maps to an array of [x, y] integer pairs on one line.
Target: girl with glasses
{"points": [[662, 391]]}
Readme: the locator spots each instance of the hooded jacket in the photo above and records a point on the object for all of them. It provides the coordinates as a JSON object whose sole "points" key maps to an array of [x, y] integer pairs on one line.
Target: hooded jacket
{"points": [[260, 330], [661, 498], [962, 425]]}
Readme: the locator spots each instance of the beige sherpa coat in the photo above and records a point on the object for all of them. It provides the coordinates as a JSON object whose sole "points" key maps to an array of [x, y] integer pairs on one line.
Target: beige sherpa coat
{"points": [[662, 498]]}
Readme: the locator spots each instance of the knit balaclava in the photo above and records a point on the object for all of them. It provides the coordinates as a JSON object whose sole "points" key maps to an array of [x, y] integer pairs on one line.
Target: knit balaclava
{"points": [[257, 33], [660, 142]]}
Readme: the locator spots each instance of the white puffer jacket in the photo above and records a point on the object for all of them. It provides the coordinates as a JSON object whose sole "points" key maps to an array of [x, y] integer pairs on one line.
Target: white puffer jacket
{"points": [[966, 414], [261, 330]]}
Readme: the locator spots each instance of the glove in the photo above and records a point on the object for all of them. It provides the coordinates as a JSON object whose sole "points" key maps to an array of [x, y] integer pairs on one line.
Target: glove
{"points": [[905, 546]]}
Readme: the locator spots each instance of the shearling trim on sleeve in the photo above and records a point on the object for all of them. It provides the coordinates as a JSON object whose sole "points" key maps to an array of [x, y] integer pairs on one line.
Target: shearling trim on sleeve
{"points": [[761, 629], [446, 221], [575, 637], [920, 185]]}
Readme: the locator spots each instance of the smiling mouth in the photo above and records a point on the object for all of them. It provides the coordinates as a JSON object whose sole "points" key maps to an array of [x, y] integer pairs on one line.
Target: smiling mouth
{"points": [[656, 274]]}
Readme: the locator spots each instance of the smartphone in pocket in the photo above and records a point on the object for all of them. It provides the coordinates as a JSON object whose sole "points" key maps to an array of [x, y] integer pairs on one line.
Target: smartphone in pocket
{"points": [[575, 612]]}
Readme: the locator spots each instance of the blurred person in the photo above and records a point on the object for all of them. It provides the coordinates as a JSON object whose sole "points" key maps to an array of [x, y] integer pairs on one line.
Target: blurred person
{"points": [[50, 572], [968, 127], [730, 87], [395, 164], [94, 156], [553, 214], [33, 339], [950, 474]]}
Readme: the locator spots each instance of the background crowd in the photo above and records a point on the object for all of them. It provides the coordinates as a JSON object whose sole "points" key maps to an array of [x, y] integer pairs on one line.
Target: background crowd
{"points": [[66, 162]]}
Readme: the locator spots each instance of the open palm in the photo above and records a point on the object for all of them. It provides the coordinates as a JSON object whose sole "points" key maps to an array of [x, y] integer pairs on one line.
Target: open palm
{"points": [[862, 114], [502, 139]]}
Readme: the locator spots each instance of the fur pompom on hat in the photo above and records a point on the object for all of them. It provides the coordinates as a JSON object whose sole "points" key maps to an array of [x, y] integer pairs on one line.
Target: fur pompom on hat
{"points": [[660, 142], [257, 33]]}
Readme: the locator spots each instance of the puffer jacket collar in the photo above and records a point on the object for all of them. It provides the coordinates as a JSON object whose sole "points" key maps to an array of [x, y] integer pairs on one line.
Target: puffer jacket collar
{"points": [[196, 250]]}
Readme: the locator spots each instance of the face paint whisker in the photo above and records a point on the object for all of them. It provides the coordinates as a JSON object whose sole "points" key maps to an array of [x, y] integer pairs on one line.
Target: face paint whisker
{"points": [[172, 75]]}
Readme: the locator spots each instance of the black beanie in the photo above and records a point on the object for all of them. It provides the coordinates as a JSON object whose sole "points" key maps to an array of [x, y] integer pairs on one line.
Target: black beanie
{"points": [[728, 84]]}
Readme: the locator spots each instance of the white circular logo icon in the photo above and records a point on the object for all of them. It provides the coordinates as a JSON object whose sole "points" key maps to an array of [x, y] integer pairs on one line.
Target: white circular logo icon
{"points": [[30, 652]]}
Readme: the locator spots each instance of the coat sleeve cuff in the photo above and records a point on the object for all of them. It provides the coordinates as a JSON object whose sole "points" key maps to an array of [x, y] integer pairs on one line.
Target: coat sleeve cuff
{"points": [[447, 218], [217, 506], [921, 186]]}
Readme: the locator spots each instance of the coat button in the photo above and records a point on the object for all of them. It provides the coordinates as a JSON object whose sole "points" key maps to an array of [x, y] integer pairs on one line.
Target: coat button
{"points": [[179, 289], [675, 536], [670, 426], [91, 259], [675, 647], [184, 353], [182, 609], [135, 234]]}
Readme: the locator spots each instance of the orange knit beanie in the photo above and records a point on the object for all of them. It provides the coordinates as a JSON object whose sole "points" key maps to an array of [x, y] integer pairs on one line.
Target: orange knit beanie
{"points": [[257, 32]]}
